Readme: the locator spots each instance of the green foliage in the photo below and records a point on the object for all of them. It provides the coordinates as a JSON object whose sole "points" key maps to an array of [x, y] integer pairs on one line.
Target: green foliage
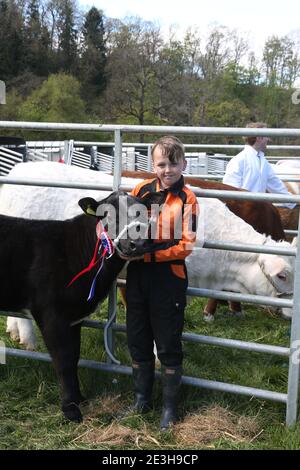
{"points": [[67, 37], [57, 100], [11, 40], [129, 73], [274, 104], [93, 58], [37, 41], [132, 87], [281, 62], [10, 112], [228, 113]]}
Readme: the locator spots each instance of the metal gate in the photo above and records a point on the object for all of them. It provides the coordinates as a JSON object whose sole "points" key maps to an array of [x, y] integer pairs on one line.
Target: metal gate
{"points": [[291, 397]]}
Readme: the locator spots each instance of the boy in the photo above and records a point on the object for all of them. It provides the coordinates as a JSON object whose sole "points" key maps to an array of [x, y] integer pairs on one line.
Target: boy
{"points": [[156, 285]]}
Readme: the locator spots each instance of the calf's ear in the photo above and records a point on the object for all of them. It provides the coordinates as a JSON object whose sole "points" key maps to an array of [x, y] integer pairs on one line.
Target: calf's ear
{"points": [[88, 205]]}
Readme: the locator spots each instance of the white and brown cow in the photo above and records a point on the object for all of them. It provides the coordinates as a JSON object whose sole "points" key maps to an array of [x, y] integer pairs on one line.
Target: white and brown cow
{"points": [[61, 205]]}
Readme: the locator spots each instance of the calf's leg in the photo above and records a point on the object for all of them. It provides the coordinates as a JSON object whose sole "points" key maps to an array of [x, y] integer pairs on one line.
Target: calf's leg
{"points": [[22, 330], [63, 343], [210, 310], [236, 309], [12, 328], [27, 333]]}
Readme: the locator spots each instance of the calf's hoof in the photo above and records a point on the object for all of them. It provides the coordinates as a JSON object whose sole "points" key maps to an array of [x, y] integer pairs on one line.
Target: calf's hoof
{"points": [[286, 313], [237, 314], [72, 412], [14, 335], [208, 317], [28, 346]]}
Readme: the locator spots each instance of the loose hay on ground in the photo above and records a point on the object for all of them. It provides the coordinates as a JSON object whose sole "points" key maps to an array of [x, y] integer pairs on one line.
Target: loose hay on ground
{"points": [[205, 427], [111, 404], [117, 434], [214, 423]]}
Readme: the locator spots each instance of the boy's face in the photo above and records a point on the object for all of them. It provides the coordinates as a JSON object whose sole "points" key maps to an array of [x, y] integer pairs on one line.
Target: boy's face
{"points": [[168, 173]]}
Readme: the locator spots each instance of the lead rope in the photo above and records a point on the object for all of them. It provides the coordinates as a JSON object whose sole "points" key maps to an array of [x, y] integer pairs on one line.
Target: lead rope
{"points": [[104, 249]]}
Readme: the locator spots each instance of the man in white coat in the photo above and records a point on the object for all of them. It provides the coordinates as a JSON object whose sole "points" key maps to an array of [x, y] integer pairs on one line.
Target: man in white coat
{"points": [[250, 169]]}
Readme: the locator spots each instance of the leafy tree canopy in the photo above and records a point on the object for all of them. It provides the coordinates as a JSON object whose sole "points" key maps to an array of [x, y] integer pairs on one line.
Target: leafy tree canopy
{"points": [[57, 100]]}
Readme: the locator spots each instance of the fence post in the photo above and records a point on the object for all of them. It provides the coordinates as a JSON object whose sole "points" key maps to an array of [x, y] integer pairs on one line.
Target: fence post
{"points": [[68, 150], [2, 92], [293, 379], [93, 152], [149, 161], [112, 302], [206, 164], [117, 160]]}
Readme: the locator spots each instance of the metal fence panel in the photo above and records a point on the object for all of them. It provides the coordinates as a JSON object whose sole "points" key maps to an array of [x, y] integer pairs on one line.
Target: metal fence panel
{"points": [[292, 390]]}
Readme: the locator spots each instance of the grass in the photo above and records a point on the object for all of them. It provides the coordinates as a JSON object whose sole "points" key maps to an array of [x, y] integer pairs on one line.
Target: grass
{"points": [[30, 403]]}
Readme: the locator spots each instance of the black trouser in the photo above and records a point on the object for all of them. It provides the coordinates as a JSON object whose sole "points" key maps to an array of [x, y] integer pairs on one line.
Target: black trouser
{"points": [[156, 299]]}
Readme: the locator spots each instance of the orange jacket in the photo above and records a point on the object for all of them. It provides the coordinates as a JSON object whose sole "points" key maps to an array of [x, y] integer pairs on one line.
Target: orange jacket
{"points": [[177, 220]]}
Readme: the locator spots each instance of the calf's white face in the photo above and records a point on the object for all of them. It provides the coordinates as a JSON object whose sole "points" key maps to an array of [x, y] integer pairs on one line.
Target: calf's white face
{"points": [[279, 271]]}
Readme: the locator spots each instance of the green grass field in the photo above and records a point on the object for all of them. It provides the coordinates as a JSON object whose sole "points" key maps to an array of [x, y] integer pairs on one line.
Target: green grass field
{"points": [[30, 403]]}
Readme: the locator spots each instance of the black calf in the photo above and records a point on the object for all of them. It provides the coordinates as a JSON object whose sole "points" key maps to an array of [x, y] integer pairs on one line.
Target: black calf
{"points": [[38, 259]]}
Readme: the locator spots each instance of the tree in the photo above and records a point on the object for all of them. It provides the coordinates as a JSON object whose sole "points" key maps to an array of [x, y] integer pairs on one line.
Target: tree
{"points": [[168, 71], [132, 89], [281, 64], [93, 55], [239, 82], [57, 100], [180, 77], [37, 41], [67, 36], [10, 111], [228, 114], [272, 105], [222, 50], [11, 40], [216, 53], [52, 18]]}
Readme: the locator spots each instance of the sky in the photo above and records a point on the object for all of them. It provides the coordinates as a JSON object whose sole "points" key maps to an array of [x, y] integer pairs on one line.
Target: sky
{"points": [[256, 20]]}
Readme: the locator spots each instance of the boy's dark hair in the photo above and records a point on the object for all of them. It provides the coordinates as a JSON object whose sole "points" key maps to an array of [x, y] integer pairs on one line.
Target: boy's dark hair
{"points": [[250, 140], [171, 147]]}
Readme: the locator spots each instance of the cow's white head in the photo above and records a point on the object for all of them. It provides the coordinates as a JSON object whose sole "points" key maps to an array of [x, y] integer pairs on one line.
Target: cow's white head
{"points": [[279, 270]]}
